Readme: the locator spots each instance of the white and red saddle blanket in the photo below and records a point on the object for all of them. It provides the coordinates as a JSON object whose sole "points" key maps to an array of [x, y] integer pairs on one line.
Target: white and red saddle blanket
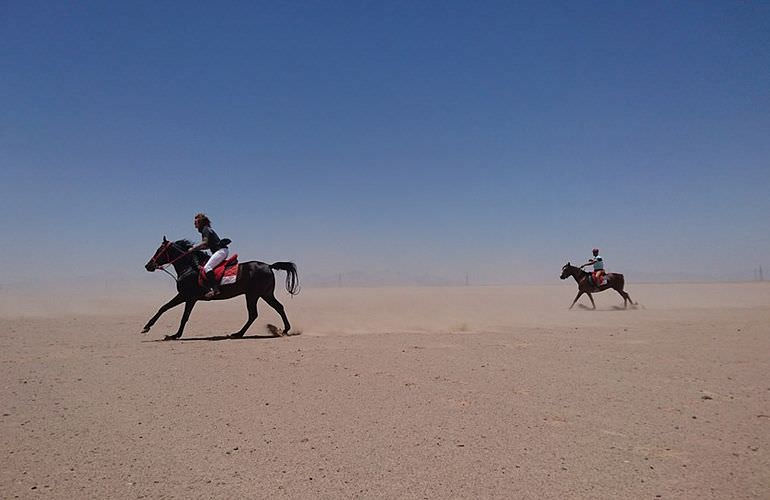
{"points": [[225, 273]]}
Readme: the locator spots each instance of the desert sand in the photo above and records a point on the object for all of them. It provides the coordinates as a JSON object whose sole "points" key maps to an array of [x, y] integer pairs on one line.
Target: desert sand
{"points": [[391, 392]]}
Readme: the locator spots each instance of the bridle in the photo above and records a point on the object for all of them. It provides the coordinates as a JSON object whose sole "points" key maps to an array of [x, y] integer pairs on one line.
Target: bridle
{"points": [[166, 246], [570, 270]]}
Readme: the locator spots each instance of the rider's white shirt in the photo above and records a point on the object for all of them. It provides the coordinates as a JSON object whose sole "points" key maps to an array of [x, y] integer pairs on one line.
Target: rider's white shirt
{"points": [[598, 263]]}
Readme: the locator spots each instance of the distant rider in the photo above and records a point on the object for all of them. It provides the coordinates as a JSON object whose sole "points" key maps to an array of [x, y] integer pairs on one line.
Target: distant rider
{"points": [[598, 263], [219, 252]]}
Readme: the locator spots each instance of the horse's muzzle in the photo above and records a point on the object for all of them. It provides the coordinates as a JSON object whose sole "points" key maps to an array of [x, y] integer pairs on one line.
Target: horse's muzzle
{"points": [[150, 266]]}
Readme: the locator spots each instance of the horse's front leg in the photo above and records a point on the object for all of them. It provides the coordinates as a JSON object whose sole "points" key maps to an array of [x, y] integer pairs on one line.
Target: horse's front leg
{"points": [[580, 292], [165, 307], [188, 307]]}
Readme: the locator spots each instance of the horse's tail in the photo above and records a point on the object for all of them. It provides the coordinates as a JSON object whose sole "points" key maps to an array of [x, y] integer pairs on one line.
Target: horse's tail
{"points": [[292, 278]]}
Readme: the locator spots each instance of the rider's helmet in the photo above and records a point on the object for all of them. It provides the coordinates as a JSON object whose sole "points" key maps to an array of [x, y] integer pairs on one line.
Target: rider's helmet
{"points": [[596, 251]]}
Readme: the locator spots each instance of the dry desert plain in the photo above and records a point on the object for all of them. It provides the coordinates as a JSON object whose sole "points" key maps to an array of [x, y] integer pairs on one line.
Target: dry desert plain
{"points": [[434, 392]]}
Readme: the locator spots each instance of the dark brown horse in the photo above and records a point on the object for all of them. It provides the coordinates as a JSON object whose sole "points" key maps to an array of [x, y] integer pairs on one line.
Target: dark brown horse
{"points": [[586, 285], [255, 280]]}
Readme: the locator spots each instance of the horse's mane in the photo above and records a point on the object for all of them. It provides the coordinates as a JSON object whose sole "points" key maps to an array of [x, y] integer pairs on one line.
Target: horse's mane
{"points": [[185, 244], [580, 271]]}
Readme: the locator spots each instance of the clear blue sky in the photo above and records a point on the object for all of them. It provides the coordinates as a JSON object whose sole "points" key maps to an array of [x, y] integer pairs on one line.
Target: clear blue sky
{"points": [[396, 138]]}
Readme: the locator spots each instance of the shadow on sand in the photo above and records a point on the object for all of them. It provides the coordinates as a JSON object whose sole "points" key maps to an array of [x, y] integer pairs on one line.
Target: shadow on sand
{"points": [[274, 332], [611, 308], [215, 338]]}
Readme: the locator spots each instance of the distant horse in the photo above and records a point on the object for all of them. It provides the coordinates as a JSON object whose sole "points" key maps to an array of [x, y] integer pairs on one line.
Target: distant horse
{"points": [[255, 280], [585, 285]]}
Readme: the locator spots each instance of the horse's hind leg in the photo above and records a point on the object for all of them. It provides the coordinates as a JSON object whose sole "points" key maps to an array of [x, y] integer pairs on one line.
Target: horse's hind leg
{"points": [[592, 299], [251, 307], [270, 299], [625, 297]]}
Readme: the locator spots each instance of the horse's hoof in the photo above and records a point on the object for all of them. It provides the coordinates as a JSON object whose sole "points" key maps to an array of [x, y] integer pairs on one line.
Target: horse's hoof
{"points": [[145, 330], [171, 337], [237, 335]]}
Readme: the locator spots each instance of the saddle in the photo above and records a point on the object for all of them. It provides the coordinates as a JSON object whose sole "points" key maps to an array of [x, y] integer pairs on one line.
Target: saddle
{"points": [[597, 280], [225, 273]]}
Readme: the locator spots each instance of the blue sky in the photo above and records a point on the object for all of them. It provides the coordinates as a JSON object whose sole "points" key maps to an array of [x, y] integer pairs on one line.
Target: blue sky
{"points": [[431, 139]]}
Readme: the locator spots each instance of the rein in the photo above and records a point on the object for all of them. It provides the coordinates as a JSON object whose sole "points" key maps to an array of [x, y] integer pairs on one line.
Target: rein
{"points": [[166, 271], [164, 266]]}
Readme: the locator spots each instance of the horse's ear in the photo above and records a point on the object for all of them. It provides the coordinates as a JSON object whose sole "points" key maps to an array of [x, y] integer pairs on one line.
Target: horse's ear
{"points": [[164, 239], [567, 263]]}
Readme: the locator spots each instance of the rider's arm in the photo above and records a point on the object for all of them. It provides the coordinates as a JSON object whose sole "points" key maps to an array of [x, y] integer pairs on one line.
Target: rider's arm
{"points": [[203, 245], [590, 262]]}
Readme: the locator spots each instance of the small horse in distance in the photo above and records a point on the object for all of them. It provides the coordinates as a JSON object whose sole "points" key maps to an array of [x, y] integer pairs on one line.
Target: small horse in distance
{"points": [[255, 280], [616, 281]]}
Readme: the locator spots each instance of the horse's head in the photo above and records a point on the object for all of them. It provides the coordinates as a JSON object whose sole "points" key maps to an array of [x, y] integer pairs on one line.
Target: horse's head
{"points": [[160, 257], [566, 271]]}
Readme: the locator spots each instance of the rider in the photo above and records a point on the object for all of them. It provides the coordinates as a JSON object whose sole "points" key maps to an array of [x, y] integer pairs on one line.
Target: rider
{"points": [[219, 252], [598, 263]]}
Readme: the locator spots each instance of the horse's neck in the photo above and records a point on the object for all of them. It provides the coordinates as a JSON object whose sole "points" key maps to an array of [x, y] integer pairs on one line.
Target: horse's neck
{"points": [[579, 274], [183, 264]]}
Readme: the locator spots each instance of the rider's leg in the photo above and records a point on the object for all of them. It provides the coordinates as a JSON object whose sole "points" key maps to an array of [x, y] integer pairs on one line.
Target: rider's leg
{"points": [[215, 259], [211, 284]]}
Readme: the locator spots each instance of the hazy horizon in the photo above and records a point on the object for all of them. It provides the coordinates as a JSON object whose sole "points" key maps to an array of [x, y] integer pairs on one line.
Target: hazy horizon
{"points": [[393, 143], [353, 279]]}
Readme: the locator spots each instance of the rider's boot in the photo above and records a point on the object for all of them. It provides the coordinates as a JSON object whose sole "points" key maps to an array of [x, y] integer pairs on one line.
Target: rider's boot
{"points": [[211, 283]]}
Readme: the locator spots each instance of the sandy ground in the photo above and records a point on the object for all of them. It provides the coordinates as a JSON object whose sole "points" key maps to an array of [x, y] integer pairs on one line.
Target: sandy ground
{"points": [[393, 392]]}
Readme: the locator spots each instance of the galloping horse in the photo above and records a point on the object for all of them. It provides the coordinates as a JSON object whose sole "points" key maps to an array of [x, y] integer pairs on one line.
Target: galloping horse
{"points": [[255, 280], [585, 285]]}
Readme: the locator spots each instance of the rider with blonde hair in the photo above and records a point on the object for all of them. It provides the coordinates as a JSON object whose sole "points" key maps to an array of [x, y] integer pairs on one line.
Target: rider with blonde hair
{"points": [[218, 248]]}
